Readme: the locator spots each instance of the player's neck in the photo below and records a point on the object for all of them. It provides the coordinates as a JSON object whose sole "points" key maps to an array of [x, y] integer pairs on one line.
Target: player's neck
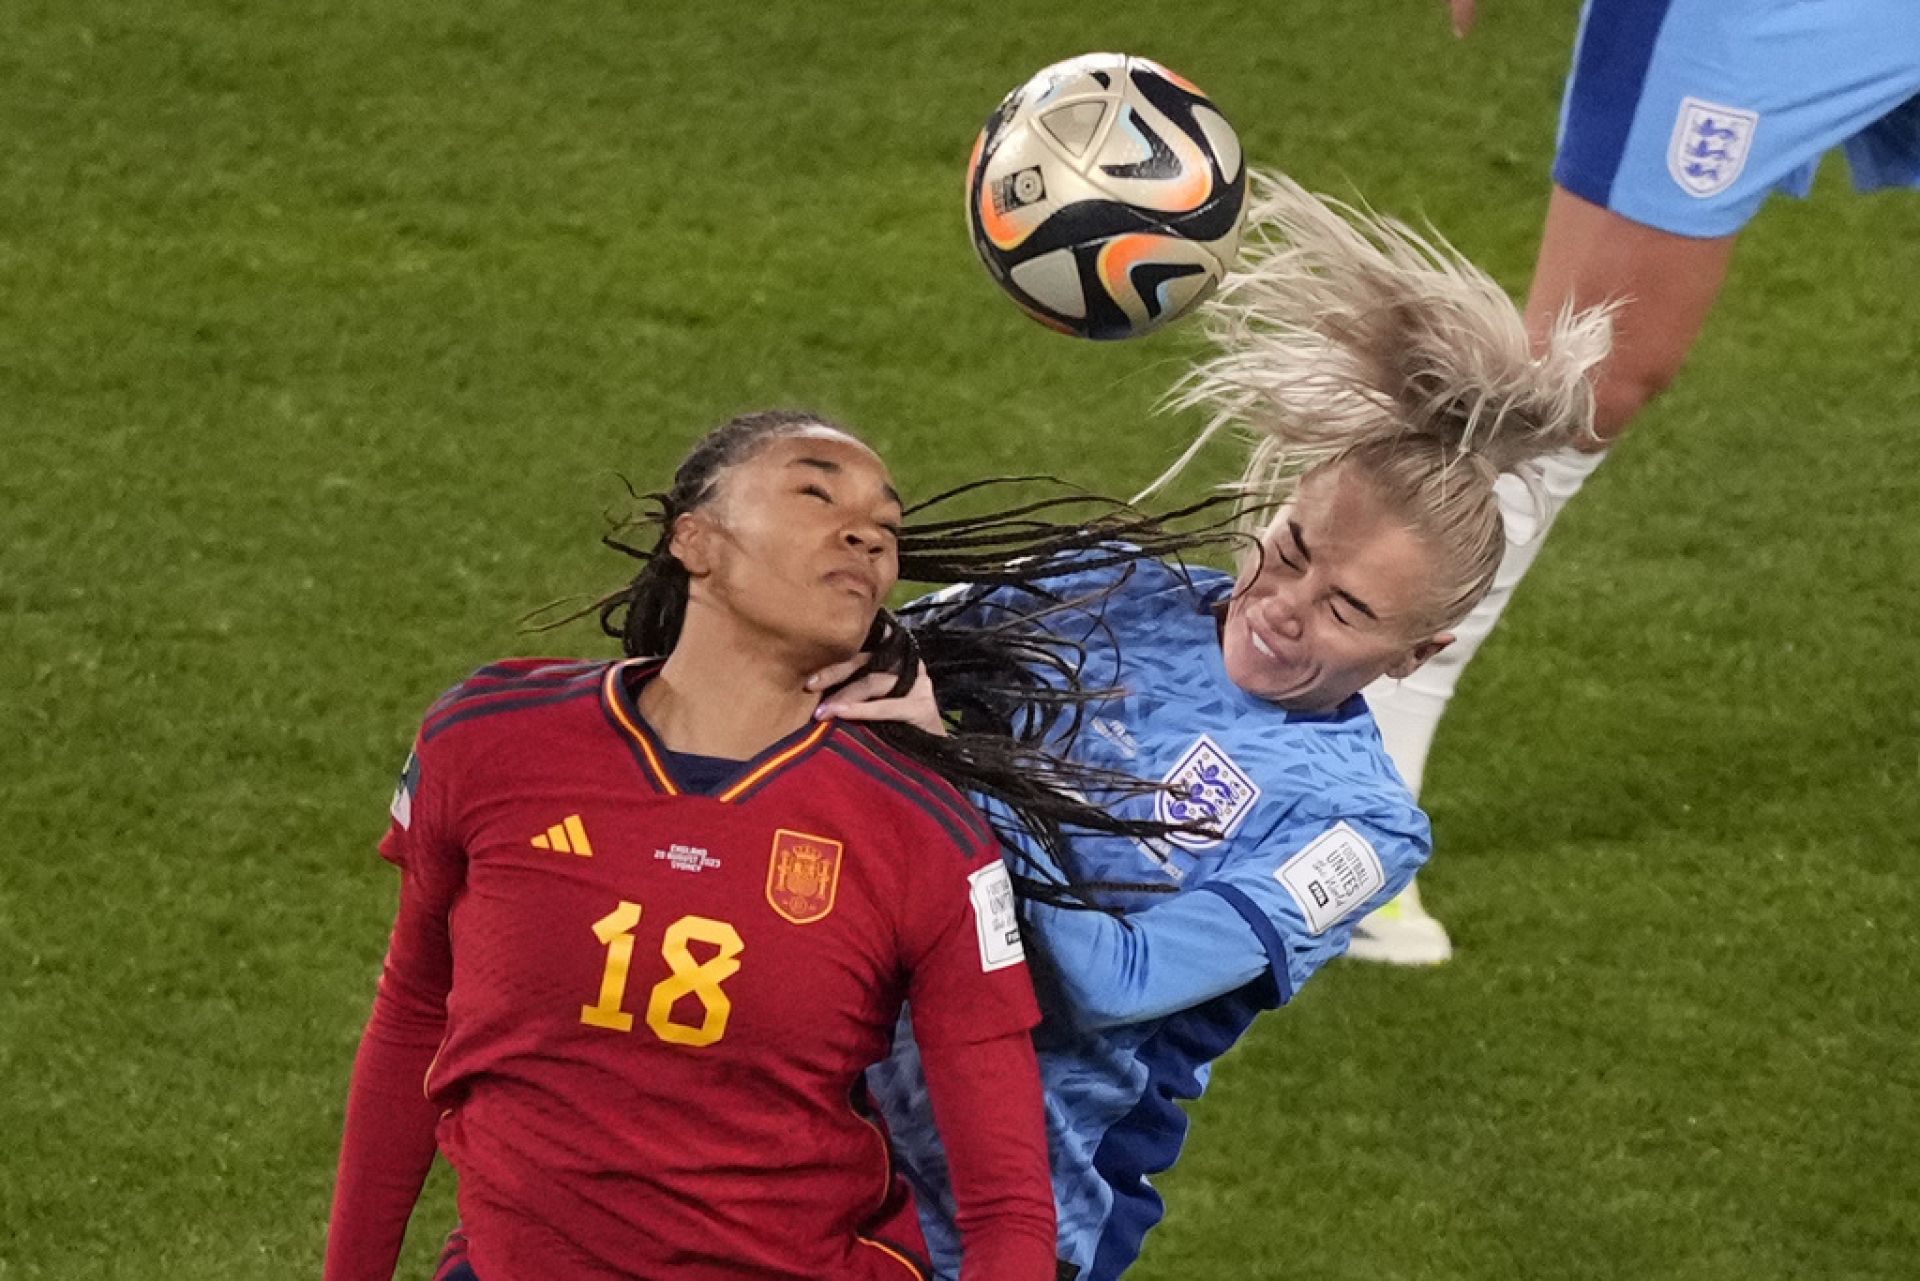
{"points": [[713, 700]]}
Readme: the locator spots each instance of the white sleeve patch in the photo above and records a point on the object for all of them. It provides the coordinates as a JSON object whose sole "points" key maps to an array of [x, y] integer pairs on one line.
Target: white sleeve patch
{"points": [[1336, 872], [991, 890], [402, 807]]}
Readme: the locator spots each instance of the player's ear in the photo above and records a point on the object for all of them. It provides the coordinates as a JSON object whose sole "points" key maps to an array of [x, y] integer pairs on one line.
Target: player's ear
{"points": [[692, 543], [1410, 662]]}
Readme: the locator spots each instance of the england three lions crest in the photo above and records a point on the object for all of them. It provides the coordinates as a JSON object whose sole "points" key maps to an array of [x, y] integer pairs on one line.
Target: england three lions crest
{"points": [[1710, 146], [1207, 789], [803, 874]]}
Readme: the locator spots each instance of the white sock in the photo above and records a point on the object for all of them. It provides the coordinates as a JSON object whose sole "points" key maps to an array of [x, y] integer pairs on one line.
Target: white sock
{"points": [[1409, 710]]}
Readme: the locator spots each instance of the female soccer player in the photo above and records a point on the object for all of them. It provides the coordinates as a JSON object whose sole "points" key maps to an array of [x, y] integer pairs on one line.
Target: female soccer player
{"points": [[656, 919], [1390, 384]]}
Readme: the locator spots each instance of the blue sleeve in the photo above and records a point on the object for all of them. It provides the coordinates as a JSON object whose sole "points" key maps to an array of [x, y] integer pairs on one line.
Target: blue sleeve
{"points": [[1279, 915], [1157, 961], [1312, 884]]}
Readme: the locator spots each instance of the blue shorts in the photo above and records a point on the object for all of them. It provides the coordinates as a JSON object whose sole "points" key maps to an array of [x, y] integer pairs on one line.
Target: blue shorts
{"points": [[1685, 114]]}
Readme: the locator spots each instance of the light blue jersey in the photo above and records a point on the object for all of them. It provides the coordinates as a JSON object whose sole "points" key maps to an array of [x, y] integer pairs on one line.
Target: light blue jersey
{"points": [[1684, 114], [1318, 830]]}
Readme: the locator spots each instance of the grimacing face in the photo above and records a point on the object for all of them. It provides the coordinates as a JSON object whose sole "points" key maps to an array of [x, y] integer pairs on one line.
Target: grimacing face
{"points": [[1333, 601], [798, 548]]}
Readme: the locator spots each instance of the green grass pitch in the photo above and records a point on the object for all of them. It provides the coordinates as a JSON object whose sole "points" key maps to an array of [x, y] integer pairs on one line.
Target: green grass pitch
{"points": [[327, 328]]}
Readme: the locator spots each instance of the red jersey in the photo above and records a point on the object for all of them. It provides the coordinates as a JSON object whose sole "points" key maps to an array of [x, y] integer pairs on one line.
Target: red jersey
{"points": [[659, 1005]]}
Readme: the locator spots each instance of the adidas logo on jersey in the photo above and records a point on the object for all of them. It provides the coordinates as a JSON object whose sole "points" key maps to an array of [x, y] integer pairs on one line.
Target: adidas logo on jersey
{"points": [[568, 836], [1118, 734]]}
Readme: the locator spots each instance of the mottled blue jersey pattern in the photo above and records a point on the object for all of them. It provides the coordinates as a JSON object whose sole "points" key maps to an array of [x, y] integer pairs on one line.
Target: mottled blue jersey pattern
{"points": [[1319, 830]]}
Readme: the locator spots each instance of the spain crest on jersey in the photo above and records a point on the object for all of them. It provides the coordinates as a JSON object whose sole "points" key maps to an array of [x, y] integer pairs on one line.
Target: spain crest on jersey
{"points": [[1709, 147], [803, 874]]}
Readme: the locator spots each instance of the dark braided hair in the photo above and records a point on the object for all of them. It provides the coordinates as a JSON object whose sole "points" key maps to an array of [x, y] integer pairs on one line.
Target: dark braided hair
{"points": [[1007, 687]]}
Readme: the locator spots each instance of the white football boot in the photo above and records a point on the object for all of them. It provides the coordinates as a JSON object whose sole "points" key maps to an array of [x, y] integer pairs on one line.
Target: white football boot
{"points": [[1402, 933]]}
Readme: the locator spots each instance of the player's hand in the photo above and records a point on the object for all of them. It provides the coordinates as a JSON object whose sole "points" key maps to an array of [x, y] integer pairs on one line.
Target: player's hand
{"points": [[1464, 14], [865, 699]]}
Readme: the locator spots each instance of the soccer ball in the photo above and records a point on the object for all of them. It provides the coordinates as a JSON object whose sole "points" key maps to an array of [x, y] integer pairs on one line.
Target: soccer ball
{"points": [[1105, 195]]}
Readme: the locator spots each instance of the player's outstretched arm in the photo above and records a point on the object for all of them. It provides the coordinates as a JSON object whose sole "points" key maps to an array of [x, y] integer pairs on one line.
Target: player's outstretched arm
{"points": [[1152, 963]]}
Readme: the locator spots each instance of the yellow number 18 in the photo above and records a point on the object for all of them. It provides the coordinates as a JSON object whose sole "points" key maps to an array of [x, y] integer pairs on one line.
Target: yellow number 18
{"points": [[690, 977]]}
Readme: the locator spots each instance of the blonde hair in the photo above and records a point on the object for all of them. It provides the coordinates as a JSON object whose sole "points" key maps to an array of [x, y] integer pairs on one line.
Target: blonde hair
{"points": [[1347, 339]]}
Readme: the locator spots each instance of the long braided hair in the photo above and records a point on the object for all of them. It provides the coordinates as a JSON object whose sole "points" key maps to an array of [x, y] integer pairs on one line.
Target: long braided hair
{"points": [[1006, 687]]}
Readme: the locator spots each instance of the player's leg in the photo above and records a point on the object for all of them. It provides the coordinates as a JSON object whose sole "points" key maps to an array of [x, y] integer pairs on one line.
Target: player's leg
{"points": [[1664, 286], [1662, 283], [1634, 66], [1680, 117]]}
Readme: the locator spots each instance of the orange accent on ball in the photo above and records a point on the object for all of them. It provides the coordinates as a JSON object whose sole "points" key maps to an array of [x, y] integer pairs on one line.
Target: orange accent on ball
{"points": [[1001, 229], [1119, 256], [1184, 83]]}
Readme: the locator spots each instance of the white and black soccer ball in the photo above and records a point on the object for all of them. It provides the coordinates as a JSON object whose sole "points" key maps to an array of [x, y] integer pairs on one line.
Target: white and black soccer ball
{"points": [[1106, 194]]}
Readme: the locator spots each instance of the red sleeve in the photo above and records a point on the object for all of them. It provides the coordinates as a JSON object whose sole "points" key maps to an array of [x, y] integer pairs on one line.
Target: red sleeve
{"points": [[986, 1101], [388, 1144], [967, 969]]}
